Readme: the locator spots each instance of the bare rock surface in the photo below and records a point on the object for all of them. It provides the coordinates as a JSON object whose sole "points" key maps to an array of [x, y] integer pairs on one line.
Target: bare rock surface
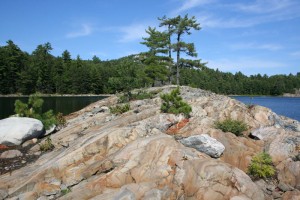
{"points": [[99, 155], [11, 154]]}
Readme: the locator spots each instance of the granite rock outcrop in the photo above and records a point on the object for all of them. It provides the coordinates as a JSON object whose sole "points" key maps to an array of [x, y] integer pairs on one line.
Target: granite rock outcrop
{"points": [[99, 155]]}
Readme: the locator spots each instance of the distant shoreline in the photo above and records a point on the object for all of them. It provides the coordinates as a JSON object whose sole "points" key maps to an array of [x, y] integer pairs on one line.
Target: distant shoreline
{"points": [[290, 95], [284, 95]]}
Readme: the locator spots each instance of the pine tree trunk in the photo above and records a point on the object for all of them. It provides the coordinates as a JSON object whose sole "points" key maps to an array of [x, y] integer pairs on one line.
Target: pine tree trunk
{"points": [[178, 58]]}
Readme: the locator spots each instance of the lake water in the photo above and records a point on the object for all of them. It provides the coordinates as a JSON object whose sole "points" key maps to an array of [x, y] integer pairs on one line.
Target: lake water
{"points": [[65, 105], [286, 106]]}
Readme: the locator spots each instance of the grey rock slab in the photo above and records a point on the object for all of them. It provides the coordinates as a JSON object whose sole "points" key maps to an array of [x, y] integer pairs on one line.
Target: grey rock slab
{"points": [[205, 144], [51, 129], [264, 133], [285, 187], [125, 194]]}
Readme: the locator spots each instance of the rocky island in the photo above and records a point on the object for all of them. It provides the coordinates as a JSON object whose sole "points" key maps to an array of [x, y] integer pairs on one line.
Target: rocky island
{"points": [[146, 154]]}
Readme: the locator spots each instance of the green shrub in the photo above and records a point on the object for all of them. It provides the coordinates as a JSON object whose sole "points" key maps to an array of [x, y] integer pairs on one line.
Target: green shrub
{"points": [[261, 166], [234, 126], [119, 109], [34, 110], [172, 103], [47, 145]]}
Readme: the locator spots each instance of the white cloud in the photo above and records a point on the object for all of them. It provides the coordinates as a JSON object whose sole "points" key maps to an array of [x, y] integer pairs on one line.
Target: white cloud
{"points": [[265, 6], [190, 4], [247, 65], [295, 54], [84, 30], [245, 46], [133, 32], [212, 21], [242, 15]]}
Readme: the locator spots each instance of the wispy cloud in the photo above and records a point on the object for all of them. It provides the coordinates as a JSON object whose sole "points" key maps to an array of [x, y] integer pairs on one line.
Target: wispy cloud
{"points": [[213, 21], [247, 65], [295, 54], [84, 29], [217, 14], [133, 32], [190, 4], [246, 46], [265, 6]]}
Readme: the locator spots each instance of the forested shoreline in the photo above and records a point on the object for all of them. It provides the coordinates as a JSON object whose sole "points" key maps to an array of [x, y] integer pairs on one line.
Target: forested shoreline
{"points": [[42, 72]]}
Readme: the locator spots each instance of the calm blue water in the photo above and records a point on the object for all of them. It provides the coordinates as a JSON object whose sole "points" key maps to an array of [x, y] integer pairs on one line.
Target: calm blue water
{"points": [[286, 106]]}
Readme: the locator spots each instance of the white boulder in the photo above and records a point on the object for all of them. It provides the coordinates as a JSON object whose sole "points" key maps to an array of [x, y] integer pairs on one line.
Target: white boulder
{"points": [[205, 144], [16, 130]]}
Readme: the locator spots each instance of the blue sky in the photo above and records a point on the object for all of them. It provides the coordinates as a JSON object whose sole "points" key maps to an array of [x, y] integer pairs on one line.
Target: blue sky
{"points": [[251, 36]]}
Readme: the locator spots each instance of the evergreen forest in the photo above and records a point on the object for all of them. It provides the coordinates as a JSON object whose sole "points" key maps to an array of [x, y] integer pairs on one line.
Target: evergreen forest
{"points": [[166, 62]]}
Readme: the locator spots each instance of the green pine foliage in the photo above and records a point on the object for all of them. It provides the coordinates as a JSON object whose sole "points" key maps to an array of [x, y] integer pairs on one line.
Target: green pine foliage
{"points": [[119, 109], [261, 166], [33, 109], [234, 126], [173, 103]]}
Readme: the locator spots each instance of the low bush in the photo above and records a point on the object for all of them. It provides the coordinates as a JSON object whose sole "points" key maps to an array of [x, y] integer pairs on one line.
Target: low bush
{"points": [[119, 109], [261, 166], [173, 103], [60, 119], [47, 145], [234, 126]]}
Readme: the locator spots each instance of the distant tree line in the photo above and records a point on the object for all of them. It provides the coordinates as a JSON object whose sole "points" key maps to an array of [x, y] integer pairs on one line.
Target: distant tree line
{"points": [[40, 71]]}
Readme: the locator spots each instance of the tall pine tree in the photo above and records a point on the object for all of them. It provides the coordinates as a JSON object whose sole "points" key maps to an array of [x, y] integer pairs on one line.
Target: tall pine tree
{"points": [[155, 59]]}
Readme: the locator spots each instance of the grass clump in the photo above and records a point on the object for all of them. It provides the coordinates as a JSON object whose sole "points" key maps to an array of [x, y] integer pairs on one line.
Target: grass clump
{"points": [[65, 191], [234, 126], [261, 166], [119, 109], [173, 103], [60, 119], [47, 145]]}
